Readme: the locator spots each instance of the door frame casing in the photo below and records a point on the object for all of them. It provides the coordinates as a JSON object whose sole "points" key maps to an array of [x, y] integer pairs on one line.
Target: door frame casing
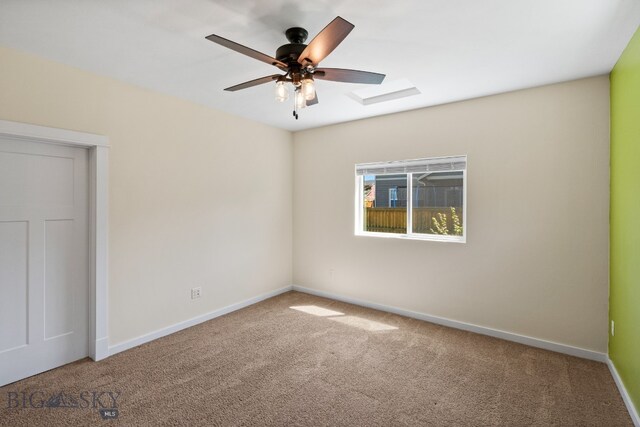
{"points": [[98, 146]]}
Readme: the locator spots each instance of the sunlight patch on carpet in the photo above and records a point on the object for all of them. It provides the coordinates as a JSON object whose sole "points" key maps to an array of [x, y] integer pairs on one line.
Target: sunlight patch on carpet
{"points": [[316, 311], [366, 324]]}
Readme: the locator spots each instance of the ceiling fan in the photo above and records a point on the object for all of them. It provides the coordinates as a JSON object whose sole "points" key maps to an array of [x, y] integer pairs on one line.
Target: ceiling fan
{"points": [[299, 62]]}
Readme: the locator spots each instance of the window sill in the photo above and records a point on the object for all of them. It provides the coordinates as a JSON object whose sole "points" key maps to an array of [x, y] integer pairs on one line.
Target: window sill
{"points": [[424, 237]]}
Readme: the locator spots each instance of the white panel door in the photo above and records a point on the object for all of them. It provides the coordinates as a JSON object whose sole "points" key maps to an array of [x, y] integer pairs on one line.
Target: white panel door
{"points": [[44, 257]]}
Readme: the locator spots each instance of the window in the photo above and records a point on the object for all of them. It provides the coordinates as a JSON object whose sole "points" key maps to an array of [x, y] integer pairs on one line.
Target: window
{"points": [[418, 199], [393, 197]]}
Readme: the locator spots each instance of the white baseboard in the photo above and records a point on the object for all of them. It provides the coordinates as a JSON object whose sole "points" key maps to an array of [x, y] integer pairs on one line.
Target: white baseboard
{"points": [[101, 349], [633, 412], [509, 336], [117, 348]]}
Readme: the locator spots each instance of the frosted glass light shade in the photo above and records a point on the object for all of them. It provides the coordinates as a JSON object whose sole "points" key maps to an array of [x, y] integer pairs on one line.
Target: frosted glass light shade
{"points": [[282, 93], [308, 89], [300, 101]]}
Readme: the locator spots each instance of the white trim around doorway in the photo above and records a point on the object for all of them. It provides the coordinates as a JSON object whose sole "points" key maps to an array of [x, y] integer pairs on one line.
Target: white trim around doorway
{"points": [[98, 146]]}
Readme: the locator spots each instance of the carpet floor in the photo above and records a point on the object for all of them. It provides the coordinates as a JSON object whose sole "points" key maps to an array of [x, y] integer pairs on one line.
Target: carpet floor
{"points": [[301, 360]]}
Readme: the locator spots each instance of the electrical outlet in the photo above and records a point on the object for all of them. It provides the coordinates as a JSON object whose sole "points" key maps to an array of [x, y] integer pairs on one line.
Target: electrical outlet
{"points": [[332, 275], [613, 328], [196, 292]]}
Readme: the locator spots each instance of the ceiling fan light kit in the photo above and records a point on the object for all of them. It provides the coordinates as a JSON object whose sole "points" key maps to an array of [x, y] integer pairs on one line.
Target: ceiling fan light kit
{"points": [[300, 63]]}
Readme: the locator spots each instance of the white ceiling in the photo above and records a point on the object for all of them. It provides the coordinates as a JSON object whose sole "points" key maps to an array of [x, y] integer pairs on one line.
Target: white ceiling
{"points": [[449, 49]]}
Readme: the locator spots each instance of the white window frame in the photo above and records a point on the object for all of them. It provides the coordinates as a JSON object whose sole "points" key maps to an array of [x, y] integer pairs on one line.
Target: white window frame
{"points": [[408, 167]]}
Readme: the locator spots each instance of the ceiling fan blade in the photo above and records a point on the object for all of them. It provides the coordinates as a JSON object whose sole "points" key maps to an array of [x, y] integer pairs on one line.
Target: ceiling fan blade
{"points": [[313, 101], [348, 76], [326, 40], [252, 83], [252, 53]]}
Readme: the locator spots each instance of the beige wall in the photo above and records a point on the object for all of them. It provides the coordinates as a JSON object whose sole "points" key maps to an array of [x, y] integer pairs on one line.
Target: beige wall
{"points": [[198, 197], [535, 261], [186, 211]]}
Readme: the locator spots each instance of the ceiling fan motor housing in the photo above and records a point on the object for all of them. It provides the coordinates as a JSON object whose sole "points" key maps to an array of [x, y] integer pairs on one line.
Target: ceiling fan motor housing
{"points": [[290, 52]]}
